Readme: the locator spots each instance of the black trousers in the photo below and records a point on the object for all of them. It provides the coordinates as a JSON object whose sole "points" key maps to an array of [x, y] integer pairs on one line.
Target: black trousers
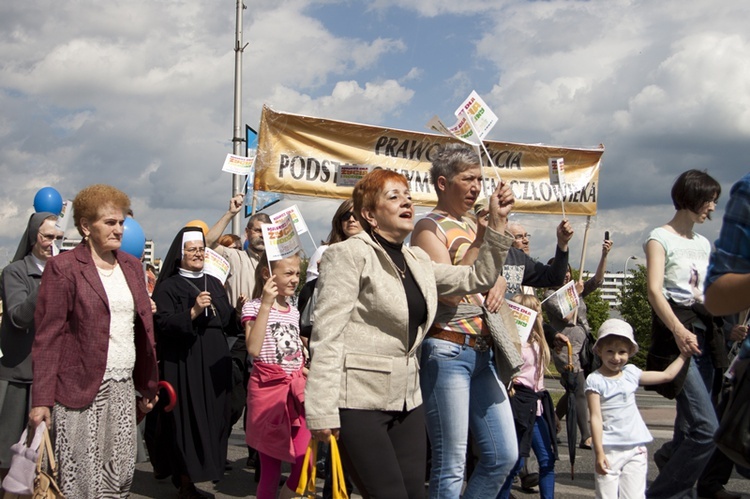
{"points": [[384, 451]]}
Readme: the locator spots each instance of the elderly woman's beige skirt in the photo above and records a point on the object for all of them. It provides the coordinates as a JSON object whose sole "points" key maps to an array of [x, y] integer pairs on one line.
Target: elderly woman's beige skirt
{"points": [[96, 446]]}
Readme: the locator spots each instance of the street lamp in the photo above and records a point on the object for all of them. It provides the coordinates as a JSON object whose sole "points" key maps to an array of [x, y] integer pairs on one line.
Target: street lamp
{"points": [[625, 272]]}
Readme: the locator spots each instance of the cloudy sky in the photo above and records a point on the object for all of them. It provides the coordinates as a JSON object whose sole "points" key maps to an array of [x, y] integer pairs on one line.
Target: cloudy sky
{"points": [[139, 94]]}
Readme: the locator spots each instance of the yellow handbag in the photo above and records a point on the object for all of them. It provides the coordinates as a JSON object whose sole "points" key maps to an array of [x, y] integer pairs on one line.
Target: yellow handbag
{"points": [[339, 485], [306, 486]]}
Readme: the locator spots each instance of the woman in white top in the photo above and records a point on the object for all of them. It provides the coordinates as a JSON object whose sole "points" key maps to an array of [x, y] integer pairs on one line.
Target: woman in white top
{"points": [[676, 260]]}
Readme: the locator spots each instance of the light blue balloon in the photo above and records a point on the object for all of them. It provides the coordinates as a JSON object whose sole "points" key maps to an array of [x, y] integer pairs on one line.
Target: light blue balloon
{"points": [[48, 199], [133, 238]]}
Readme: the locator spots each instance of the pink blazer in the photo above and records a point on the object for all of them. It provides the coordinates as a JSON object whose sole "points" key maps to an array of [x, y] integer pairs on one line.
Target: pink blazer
{"points": [[72, 318]]}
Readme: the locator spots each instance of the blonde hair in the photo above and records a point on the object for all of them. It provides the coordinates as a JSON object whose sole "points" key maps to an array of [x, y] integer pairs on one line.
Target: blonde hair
{"points": [[537, 331], [260, 279]]}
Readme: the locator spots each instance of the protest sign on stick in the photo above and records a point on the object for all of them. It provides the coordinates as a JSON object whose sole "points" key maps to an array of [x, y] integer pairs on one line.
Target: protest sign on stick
{"points": [[480, 116], [238, 165], [566, 298], [281, 239], [63, 221], [557, 177], [460, 129], [216, 265], [525, 318], [296, 216]]}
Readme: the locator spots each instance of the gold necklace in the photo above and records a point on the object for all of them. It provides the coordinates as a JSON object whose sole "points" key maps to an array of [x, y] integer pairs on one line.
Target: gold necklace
{"points": [[103, 274]]}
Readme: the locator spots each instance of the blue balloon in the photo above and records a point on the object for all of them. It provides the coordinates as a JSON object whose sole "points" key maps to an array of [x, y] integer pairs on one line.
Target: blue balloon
{"points": [[246, 245], [133, 238], [48, 199]]}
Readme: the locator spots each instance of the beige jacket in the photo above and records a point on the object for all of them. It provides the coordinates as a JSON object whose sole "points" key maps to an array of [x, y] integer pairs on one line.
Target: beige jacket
{"points": [[360, 332]]}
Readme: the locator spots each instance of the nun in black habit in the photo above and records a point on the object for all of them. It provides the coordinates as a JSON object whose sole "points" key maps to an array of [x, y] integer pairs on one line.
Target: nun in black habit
{"points": [[193, 317]]}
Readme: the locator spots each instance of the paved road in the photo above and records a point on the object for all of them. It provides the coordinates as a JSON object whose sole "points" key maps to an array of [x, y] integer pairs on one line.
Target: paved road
{"points": [[657, 411]]}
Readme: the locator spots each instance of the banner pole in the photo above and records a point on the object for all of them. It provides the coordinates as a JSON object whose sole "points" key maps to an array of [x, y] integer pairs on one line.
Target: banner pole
{"points": [[583, 250]]}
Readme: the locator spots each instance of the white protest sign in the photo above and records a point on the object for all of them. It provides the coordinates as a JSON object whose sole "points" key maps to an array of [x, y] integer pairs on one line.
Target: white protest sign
{"points": [[482, 117], [216, 265], [525, 318], [294, 213], [566, 298], [460, 129], [281, 239], [556, 171], [63, 220], [239, 165]]}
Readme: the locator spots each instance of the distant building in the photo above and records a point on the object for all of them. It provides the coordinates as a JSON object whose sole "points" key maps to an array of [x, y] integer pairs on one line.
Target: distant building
{"points": [[611, 287], [148, 251]]}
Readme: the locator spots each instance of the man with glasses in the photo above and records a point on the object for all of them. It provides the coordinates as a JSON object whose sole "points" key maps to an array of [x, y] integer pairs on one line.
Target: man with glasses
{"points": [[524, 273], [241, 280], [18, 291]]}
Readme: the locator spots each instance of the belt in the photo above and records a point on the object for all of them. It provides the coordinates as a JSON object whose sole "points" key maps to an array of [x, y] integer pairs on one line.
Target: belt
{"points": [[480, 343]]}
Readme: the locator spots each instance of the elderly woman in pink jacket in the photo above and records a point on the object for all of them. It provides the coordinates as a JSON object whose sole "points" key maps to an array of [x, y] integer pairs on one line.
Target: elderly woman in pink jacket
{"points": [[93, 352]]}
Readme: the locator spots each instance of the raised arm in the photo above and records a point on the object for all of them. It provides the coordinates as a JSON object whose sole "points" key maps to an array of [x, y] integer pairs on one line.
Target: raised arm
{"points": [[602, 267], [215, 232]]}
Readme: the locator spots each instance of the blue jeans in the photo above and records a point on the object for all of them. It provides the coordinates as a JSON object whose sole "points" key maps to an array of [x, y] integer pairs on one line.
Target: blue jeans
{"points": [[541, 444], [461, 390], [691, 450]]}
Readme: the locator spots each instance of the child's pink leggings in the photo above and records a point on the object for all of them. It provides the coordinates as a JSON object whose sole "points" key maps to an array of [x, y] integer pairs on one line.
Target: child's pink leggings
{"points": [[270, 467]]}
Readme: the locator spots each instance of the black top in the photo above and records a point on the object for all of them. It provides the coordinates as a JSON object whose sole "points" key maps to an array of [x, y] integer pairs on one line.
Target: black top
{"points": [[414, 297]]}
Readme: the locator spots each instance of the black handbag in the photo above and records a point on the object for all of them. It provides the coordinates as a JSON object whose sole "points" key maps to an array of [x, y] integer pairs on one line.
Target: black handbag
{"points": [[733, 435]]}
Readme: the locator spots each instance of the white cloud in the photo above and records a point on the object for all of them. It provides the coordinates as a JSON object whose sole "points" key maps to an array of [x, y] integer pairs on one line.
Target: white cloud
{"points": [[348, 101]]}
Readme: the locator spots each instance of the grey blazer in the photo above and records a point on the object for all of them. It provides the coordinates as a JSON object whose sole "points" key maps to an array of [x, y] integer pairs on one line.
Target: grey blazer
{"points": [[18, 289], [360, 329]]}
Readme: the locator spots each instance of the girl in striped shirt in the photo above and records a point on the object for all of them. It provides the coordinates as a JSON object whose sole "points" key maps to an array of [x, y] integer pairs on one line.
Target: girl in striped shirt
{"points": [[275, 412]]}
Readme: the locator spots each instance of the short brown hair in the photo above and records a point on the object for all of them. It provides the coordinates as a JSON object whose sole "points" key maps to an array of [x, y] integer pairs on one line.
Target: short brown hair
{"points": [[693, 189], [91, 199], [365, 195]]}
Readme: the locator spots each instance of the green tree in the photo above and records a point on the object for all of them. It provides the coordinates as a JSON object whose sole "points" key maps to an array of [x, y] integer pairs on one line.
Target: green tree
{"points": [[597, 310], [636, 310]]}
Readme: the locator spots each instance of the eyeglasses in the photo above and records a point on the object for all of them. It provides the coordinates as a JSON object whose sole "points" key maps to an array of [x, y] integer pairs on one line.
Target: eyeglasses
{"points": [[520, 237], [192, 251], [51, 237], [344, 217]]}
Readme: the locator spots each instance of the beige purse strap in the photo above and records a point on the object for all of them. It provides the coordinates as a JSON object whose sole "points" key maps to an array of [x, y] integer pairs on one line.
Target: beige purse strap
{"points": [[46, 449]]}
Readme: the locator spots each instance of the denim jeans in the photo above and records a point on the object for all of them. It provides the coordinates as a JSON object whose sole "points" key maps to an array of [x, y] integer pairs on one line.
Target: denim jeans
{"points": [[694, 448], [541, 444], [461, 390]]}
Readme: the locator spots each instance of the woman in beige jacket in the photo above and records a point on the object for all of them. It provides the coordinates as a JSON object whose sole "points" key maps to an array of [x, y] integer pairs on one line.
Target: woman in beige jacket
{"points": [[375, 299]]}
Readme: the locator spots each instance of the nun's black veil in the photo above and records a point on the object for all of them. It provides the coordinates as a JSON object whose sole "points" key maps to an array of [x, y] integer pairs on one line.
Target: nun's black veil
{"points": [[29, 236], [171, 264]]}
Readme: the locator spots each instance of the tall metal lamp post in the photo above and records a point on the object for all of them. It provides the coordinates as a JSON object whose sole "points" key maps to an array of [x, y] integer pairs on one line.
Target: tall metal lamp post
{"points": [[625, 272]]}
